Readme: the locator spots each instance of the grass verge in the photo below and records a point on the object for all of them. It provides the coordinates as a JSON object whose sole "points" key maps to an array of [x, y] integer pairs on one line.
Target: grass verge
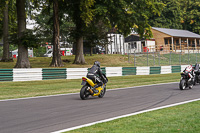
{"points": [[112, 60], [178, 119], [11, 90], [106, 61]]}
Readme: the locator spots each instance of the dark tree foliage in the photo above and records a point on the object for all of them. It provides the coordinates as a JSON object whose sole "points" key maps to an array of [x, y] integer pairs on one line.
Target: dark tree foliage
{"points": [[96, 35], [170, 16], [121, 14], [7, 24], [178, 14]]}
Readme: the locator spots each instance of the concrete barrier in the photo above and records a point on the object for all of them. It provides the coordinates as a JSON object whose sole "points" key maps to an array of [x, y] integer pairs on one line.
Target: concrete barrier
{"points": [[113, 71], [166, 69], [31, 74], [28, 74], [142, 71], [76, 73]]}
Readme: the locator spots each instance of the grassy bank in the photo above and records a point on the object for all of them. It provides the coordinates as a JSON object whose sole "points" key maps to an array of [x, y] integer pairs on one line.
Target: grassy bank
{"points": [[178, 119], [10, 90], [112, 61], [106, 61]]}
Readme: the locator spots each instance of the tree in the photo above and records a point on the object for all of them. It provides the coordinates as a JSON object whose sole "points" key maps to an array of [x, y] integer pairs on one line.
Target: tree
{"points": [[2, 6], [179, 14], [122, 14], [81, 15], [170, 16], [22, 60], [8, 26], [50, 24], [56, 60], [131, 14], [190, 15], [45, 25], [96, 35], [6, 56]]}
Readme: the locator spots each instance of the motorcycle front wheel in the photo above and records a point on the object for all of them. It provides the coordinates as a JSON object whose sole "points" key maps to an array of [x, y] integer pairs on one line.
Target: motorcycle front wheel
{"points": [[84, 94], [182, 84]]}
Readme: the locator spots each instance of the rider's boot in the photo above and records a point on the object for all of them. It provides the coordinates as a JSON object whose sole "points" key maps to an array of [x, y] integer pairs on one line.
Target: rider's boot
{"points": [[94, 89]]}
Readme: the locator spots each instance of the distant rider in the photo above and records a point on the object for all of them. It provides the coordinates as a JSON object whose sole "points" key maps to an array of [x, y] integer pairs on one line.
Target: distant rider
{"points": [[95, 74], [196, 68], [190, 71]]}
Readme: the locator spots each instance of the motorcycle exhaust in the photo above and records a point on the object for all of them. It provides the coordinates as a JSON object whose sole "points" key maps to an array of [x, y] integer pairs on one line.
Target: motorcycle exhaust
{"points": [[91, 91]]}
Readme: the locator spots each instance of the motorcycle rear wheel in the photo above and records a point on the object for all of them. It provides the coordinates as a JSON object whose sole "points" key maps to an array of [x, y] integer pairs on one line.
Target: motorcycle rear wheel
{"points": [[84, 94], [182, 84], [102, 93]]}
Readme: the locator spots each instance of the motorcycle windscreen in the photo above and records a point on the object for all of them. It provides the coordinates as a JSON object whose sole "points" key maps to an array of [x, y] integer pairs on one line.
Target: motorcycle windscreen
{"points": [[83, 82]]}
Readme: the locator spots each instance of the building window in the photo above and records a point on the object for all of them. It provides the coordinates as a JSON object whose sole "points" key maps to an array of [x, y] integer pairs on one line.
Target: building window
{"points": [[177, 42], [198, 43], [193, 44], [166, 41], [134, 45], [170, 41], [189, 42]]}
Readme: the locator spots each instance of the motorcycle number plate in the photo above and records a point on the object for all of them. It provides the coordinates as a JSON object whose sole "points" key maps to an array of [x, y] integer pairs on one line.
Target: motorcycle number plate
{"points": [[83, 83]]}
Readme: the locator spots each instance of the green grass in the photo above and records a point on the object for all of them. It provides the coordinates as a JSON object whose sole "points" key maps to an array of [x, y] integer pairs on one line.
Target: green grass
{"points": [[178, 119], [113, 60], [165, 59], [106, 61], [10, 90]]}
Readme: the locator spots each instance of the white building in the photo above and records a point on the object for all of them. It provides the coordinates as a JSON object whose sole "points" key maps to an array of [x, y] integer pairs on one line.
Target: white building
{"points": [[116, 45], [133, 43], [15, 53], [120, 45]]}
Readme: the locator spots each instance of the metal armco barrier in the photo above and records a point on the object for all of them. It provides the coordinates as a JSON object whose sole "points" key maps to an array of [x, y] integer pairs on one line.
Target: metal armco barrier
{"points": [[128, 71], [155, 70], [6, 74], [176, 69], [57, 73]]}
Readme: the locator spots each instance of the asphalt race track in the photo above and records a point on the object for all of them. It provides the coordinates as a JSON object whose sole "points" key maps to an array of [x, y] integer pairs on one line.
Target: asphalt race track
{"points": [[48, 114]]}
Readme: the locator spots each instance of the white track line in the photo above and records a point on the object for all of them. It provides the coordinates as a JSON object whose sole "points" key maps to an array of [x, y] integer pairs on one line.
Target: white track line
{"points": [[78, 93], [122, 116]]}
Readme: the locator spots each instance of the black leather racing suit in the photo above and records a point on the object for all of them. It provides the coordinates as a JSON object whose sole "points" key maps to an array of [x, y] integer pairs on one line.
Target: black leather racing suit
{"points": [[196, 67], [95, 74]]}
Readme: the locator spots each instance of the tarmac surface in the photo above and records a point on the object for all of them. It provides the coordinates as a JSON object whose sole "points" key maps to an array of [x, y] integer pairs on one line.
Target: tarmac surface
{"points": [[48, 114]]}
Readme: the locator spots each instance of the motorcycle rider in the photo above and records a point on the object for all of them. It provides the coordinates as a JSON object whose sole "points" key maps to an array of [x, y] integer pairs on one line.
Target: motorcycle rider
{"points": [[190, 71], [95, 74], [196, 67]]}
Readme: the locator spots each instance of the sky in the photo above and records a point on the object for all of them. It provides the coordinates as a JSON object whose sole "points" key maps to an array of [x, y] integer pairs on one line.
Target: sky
{"points": [[30, 24]]}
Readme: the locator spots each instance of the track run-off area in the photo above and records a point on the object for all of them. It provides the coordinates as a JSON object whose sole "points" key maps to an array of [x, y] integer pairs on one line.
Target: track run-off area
{"points": [[54, 113]]}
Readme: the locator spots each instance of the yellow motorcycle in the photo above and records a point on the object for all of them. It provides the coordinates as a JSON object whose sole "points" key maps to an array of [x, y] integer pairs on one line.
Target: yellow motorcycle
{"points": [[88, 84]]}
